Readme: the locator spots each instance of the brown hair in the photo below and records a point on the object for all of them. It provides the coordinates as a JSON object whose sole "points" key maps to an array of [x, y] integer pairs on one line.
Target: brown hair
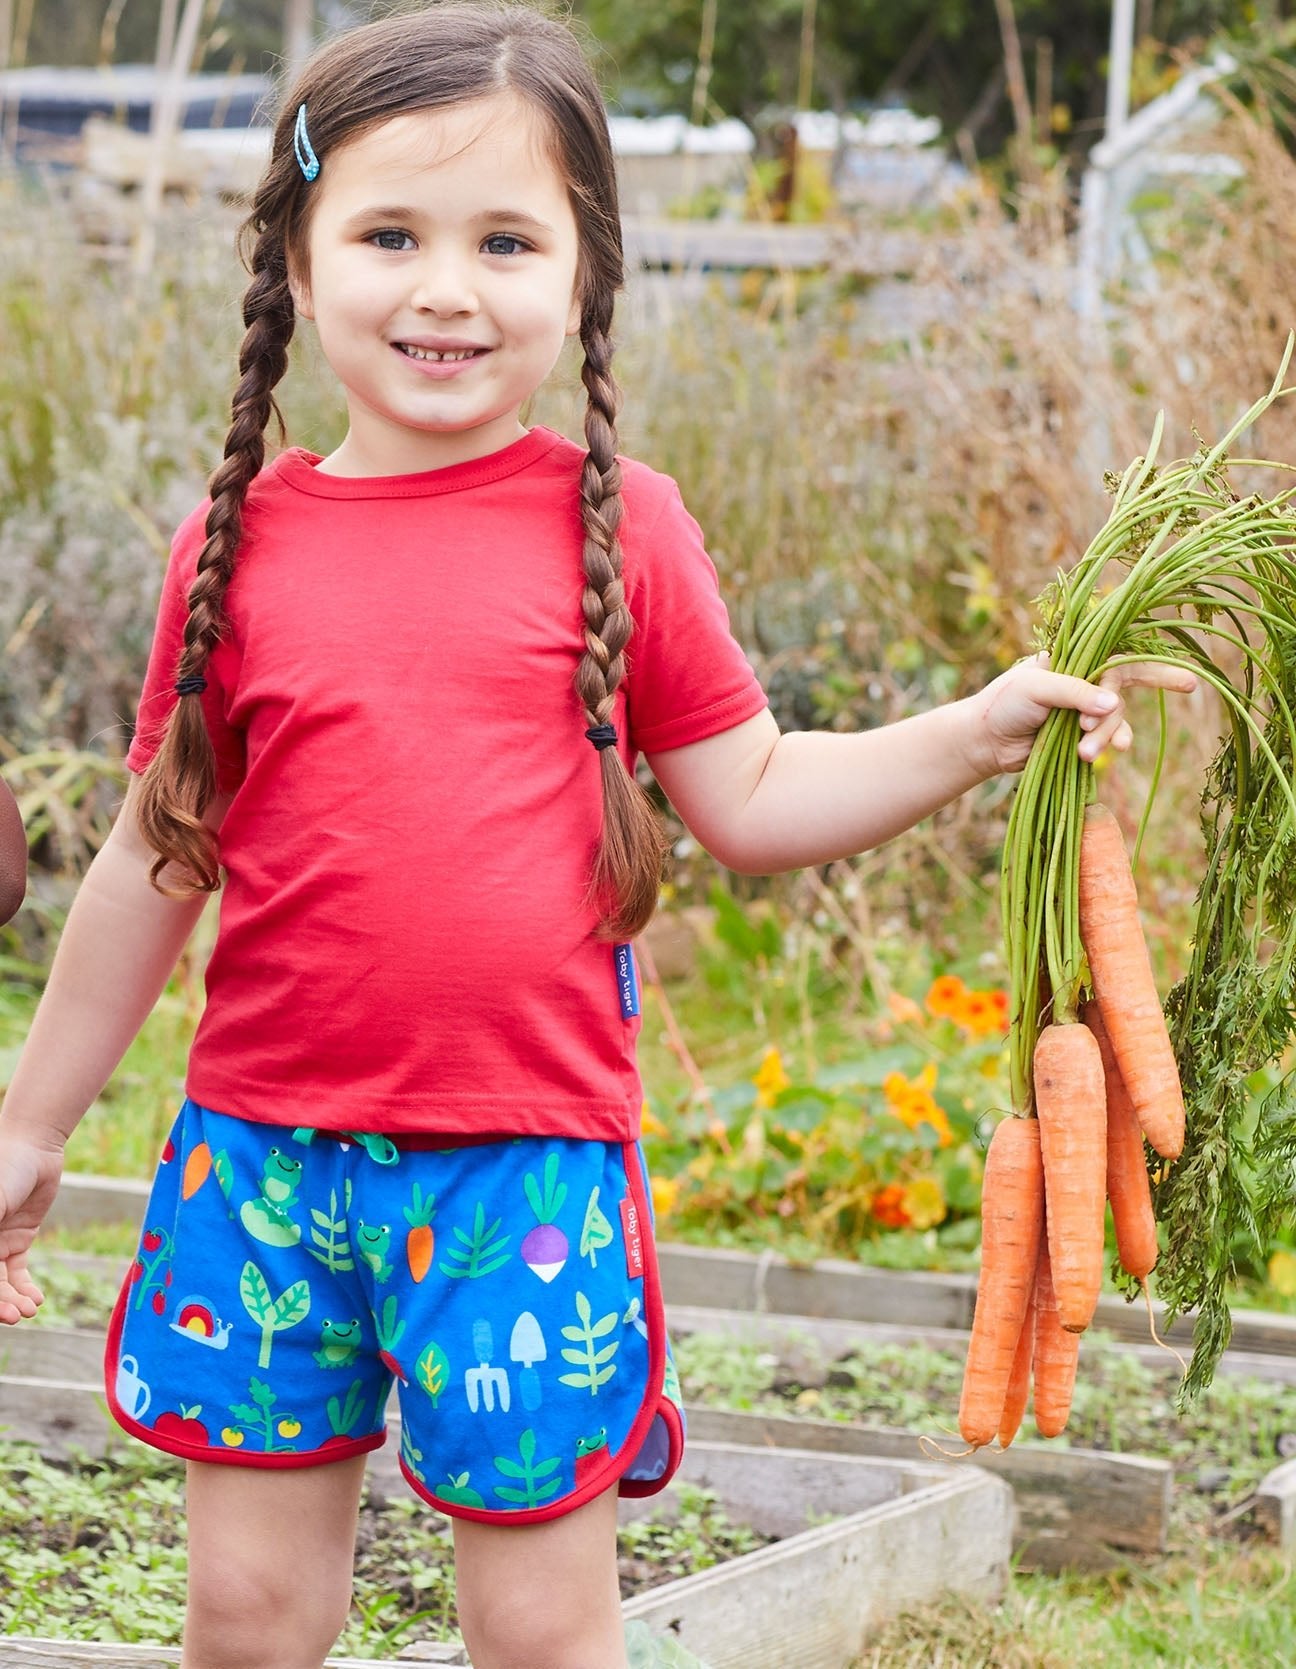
{"points": [[442, 55]]}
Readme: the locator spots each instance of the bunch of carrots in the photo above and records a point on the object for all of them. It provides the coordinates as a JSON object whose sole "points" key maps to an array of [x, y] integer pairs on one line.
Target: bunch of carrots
{"points": [[1099, 1077]]}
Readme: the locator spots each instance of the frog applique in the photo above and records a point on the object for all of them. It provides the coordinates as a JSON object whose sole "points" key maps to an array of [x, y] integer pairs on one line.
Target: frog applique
{"points": [[339, 1344], [371, 1243], [266, 1217]]}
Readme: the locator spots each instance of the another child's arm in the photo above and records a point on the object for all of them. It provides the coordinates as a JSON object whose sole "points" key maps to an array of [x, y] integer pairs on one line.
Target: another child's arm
{"points": [[121, 941], [13, 856], [763, 802]]}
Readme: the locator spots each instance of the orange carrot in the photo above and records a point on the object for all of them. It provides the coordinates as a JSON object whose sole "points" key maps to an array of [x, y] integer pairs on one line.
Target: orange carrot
{"points": [[1012, 1218], [1056, 1355], [197, 1169], [1127, 1176], [1019, 1381], [1122, 980], [1072, 1112], [420, 1241]]}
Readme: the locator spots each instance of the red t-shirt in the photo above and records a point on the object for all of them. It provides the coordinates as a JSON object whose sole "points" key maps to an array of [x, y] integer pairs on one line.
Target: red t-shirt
{"points": [[403, 942]]}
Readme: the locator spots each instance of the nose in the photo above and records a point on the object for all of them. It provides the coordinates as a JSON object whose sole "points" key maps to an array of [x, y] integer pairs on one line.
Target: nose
{"points": [[444, 285]]}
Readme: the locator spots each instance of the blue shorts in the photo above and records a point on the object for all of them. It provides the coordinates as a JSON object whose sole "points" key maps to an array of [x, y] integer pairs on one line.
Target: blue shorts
{"points": [[285, 1278]]}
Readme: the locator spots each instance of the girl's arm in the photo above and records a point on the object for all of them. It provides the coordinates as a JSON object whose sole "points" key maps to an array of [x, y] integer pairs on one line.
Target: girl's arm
{"points": [[762, 802], [120, 943], [13, 856]]}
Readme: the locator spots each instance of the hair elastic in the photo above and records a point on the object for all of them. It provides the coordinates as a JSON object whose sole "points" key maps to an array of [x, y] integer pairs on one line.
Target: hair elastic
{"points": [[307, 161], [194, 685], [602, 736]]}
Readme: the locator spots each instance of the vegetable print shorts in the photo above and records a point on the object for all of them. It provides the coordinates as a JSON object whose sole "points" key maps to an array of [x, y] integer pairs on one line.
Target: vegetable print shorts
{"points": [[285, 1279]]}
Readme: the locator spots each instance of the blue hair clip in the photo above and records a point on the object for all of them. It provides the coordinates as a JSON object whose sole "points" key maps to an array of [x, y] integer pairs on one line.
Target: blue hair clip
{"points": [[307, 161]]}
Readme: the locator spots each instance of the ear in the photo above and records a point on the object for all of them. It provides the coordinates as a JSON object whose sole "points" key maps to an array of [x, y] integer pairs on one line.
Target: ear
{"points": [[299, 289], [574, 316]]}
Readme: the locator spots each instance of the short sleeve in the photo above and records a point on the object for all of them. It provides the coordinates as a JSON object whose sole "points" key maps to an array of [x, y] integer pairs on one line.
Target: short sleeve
{"points": [[687, 676], [158, 697]]}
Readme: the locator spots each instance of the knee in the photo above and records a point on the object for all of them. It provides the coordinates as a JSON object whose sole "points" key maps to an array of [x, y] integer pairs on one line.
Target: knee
{"points": [[248, 1616], [505, 1632]]}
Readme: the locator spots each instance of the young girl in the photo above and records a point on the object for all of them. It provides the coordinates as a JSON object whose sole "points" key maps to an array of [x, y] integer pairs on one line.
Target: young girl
{"points": [[396, 694]]}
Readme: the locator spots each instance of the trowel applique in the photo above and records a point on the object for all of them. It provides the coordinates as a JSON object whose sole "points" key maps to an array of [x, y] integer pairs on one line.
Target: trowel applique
{"points": [[634, 1318], [482, 1382], [527, 1346]]}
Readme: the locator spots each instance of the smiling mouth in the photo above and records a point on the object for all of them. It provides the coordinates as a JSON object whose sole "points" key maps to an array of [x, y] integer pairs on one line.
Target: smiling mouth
{"points": [[451, 355]]}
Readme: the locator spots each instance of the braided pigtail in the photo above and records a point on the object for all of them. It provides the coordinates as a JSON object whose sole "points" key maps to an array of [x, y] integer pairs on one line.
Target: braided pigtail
{"points": [[180, 780], [628, 861]]}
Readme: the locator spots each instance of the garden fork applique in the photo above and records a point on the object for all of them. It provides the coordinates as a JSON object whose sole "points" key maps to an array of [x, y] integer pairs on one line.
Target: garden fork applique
{"points": [[482, 1382]]}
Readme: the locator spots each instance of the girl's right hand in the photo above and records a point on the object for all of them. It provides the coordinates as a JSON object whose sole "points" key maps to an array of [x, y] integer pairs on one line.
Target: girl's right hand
{"points": [[29, 1179]]}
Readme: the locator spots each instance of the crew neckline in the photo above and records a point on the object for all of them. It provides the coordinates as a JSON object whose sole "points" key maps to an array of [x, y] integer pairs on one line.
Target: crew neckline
{"points": [[296, 467]]}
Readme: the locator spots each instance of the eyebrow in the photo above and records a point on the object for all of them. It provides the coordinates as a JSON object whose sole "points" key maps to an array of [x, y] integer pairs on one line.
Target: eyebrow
{"points": [[401, 212]]}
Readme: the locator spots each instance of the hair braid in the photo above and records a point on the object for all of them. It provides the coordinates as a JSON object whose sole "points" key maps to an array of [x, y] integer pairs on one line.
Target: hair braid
{"points": [[627, 864], [180, 780]]}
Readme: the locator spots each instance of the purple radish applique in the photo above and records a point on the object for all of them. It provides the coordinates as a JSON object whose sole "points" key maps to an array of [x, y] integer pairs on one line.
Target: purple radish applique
{"points": [[545, 1249]]}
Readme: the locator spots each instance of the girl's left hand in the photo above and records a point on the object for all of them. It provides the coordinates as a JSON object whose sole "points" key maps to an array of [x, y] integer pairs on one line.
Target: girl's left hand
{"points": [[1008, 712]]}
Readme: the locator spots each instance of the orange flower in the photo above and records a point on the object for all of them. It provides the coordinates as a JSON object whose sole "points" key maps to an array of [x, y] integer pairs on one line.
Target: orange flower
{"points": [[889, 1208], [649, 1123], [982, 1013], [945, 994]]}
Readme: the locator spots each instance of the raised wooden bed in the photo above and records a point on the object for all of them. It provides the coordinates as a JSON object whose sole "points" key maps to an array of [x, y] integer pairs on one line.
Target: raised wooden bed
{"points": [[806, 1602]]}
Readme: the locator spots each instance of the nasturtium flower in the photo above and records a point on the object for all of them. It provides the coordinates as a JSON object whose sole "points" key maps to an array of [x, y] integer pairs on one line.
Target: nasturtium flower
{"points": [[665, 1192], [770, 1078], [925, 1202], [889, 1207], [650, 1124], [944, 995]]}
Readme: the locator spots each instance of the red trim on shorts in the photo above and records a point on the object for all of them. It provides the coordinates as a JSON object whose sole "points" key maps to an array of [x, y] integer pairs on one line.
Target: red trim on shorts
{"points": [[654, 1403], [205, 1451]]}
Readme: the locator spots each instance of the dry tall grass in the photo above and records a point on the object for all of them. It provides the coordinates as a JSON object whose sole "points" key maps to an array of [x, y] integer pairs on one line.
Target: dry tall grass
{"points": [[882, 510]]}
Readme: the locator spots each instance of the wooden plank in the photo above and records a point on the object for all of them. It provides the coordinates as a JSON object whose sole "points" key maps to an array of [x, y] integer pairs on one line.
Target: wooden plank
{"points": [[696, 1276], [833, 1339], [811, 1602], [83, 1198], [1074, 1506], [1273, 1510], [778, 1491]]}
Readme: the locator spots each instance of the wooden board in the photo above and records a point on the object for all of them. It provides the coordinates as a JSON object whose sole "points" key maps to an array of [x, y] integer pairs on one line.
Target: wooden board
{"points": [[1076, 1508], [811, 1602], [830, 1340]]}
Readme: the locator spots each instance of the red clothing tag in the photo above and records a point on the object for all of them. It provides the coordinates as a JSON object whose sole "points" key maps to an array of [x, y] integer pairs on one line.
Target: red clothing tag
{"points": [[633, 1237]]}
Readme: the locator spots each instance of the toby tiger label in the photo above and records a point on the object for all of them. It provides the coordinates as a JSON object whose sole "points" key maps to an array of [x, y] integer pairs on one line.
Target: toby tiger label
{"points": [[632, 1232]]}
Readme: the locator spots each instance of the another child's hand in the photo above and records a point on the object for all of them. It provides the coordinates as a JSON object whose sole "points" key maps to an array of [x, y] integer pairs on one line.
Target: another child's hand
{"points": [[29, 1179], [1008, 712]]}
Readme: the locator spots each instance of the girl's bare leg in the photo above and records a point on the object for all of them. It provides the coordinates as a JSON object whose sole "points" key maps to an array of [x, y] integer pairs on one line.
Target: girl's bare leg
{"points": [[542, 1596], [271, 1554]]}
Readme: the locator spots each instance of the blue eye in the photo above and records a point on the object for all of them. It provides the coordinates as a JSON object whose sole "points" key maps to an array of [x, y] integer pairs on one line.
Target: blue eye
{"points": [[392, 239], [516, 245]]}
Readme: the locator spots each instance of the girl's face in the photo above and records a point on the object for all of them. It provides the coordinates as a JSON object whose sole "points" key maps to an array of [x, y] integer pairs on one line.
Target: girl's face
{"points": [[441, 275]]}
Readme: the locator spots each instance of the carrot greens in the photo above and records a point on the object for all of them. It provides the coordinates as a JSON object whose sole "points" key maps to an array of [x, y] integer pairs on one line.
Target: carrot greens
{"points": [[1209, 584]]}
